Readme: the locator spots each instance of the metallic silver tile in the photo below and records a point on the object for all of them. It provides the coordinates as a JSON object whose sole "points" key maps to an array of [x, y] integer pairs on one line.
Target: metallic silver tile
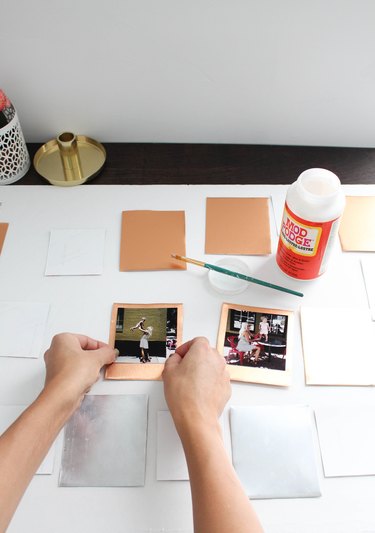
{"points": [[105, 443]]}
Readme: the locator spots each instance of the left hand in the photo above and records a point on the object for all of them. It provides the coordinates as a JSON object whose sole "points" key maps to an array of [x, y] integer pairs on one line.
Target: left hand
{"points": [[73, 364]]}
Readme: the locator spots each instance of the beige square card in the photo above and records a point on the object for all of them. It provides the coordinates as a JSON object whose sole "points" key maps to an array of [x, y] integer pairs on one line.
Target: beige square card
{"points": [[357, 227], [238, 226], [148, 238]]}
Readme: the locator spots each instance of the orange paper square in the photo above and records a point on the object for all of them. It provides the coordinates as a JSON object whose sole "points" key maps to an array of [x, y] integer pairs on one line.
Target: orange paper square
{"points": [[148, 238], [3, 231], [238, 226], [357, 226]]}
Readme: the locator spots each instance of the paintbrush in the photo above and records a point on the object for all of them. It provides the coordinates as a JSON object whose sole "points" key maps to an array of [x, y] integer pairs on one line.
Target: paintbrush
{"points": [[236, 274]]}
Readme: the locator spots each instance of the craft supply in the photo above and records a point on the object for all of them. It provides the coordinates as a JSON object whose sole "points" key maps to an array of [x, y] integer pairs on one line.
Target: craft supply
{"points": [[255, 343], [338, 346], [236, 274], [147, 238], [368, 271], [75, 252], [70, 159], [3, 232], [347, 439], [229, 284], [170, 460], [145, 335], [28, 317], [273, 451], [14, 157], [105, 443], [313, 206], [357, 226], [238, 226]]}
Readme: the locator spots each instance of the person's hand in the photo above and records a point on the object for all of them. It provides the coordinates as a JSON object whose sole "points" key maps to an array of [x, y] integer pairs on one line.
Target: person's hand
{"points": [[196, 384], [73, 364]]}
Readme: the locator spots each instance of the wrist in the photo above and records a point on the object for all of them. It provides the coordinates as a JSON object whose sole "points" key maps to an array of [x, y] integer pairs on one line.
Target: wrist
{"points": [[197, 430], [60, 399]]}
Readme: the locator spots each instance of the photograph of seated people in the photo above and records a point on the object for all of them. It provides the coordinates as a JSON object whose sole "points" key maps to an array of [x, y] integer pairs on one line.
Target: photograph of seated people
{"points": [[196, 389], [246, 345]]}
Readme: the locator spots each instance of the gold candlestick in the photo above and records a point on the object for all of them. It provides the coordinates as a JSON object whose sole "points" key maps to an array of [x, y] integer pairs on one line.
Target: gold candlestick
{"points": [[69, 159]]}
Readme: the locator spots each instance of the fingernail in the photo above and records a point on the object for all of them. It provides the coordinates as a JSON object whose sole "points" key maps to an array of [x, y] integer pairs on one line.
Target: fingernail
{"points": [[117, 352]]}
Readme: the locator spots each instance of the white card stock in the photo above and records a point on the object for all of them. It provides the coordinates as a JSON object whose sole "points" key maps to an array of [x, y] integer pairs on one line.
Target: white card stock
{"points": [[347, 439], [22, 326], [338, 346], [105, 443], [273, 451], [171, 462], [75, 252], [368, 270], [8, 414]]}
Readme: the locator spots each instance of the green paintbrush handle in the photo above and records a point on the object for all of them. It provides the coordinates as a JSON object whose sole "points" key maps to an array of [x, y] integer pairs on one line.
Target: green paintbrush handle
{"points": [[251, 280]]}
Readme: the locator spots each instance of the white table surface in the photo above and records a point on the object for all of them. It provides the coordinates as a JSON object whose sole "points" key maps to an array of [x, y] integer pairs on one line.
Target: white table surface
{"points": [[83, 304]]}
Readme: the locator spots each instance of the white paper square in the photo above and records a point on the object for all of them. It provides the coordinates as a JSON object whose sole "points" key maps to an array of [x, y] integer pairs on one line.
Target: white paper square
{"points": [[10, 413], [368, 270], [347, 439], [75, 252], [22, 326], [170, 462], [273, 451], [338, 346]]}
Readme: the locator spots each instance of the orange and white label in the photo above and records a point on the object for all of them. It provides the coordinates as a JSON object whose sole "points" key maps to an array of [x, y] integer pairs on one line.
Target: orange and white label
{"points": [[304, 245]]}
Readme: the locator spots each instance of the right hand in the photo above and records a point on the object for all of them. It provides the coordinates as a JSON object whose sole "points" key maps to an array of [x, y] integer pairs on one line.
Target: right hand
{"points": [[196, 384]]}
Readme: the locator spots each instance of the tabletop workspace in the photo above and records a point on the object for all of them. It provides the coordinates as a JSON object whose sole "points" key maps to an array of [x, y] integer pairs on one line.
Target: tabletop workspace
{"points": [[335, 312]]}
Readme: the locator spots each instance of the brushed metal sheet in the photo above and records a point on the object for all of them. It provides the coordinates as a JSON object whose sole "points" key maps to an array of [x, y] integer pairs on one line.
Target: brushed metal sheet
{"points": [[105, 443], [273, 451]]}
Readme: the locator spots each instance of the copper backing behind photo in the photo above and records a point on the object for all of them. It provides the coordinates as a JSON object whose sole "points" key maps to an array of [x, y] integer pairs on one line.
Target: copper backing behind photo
{"points": [[261, 375], [139, 371]]}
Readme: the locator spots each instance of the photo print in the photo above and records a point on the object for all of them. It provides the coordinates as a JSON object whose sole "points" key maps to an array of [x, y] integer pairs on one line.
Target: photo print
{"points": [[255, 343], [145, 335]]}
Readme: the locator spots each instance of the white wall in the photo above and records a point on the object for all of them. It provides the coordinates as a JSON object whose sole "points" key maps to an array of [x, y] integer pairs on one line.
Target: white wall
{"points": [[238, 71]]}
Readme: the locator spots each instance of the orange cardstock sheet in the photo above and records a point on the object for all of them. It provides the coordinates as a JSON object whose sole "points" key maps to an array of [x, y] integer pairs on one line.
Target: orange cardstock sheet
{"points": [[3, 231], [357, 226], [238, 226], [148, 238]]}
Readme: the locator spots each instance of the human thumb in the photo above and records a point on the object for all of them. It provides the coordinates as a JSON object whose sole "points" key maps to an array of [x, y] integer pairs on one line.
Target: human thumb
{"points": [[106, 355]]}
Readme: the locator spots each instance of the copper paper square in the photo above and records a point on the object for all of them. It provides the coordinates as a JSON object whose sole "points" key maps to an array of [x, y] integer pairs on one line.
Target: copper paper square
{"points": [[3, 231], [139, 371], [357, 226], [275, 362], [238, 226], [148, 238]]}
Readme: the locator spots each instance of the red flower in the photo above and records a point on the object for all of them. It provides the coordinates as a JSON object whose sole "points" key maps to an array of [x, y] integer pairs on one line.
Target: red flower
{"points": [[4, 101]]}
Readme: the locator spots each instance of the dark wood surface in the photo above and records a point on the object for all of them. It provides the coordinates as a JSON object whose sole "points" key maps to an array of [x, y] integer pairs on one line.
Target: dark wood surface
{"points": [[146, 163]]}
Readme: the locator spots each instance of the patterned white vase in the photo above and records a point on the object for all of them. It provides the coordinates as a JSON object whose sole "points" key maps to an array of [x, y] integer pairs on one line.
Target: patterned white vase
{"points": [[14, 157]]}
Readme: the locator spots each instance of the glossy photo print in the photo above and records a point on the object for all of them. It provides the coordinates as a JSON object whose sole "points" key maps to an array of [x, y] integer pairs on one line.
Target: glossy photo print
{"points": [[255, 343], [145, 335]]}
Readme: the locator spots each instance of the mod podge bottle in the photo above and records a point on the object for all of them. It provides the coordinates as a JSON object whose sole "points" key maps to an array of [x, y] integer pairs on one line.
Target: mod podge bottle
{"points": [[313, 207]]}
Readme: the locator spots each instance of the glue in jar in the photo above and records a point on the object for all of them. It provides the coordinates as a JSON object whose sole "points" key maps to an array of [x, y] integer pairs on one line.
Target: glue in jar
{"points": [[313, 206]]}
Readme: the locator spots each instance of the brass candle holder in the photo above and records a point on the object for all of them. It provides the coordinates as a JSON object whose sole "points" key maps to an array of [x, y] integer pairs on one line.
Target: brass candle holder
{"points": [[69, 159]]}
